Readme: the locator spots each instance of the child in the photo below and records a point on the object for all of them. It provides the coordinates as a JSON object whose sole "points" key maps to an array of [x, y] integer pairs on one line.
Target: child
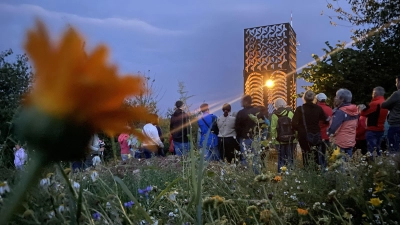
{"points": [[20, 157]]}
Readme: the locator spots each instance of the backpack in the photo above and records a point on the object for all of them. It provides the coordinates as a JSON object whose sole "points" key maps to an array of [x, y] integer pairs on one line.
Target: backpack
{"points": [[214, 126], [284, 128]]}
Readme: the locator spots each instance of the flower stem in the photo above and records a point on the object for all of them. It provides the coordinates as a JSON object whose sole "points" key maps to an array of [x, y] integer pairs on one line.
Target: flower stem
{"points": [[29, 178]]}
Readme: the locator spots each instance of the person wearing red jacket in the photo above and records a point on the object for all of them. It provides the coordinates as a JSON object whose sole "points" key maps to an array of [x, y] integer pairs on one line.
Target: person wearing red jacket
{"points": [[361, 142], [376, 117], [321, 101]]}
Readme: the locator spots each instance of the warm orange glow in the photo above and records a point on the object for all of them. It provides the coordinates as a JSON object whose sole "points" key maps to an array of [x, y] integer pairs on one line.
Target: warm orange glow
{"points": [[71, 84], [269, 83]]}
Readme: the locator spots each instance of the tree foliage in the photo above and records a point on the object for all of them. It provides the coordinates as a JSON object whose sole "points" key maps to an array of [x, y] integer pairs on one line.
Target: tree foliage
{"points": [[15, 79], [149, 98], [373, 57]]}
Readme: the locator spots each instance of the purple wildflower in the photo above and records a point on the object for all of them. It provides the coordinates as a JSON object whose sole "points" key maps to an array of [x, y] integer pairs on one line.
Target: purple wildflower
{"points": [[145, 191], [96, 216], [129, 204]]}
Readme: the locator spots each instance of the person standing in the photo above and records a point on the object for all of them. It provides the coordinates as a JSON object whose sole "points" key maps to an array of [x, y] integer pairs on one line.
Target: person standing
{"points": [[321, 101], [376, 116], [208, 139], [227, 143], [361, 142], [123, 143], [283, 136], [306, 121], [244, 128], [344, 122], [179, 128], [20, 157], [393, 105]]}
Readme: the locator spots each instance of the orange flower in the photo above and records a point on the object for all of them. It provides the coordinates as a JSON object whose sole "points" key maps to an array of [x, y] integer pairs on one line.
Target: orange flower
{"points": [[83, 88], [277, 178], [302, 212]]}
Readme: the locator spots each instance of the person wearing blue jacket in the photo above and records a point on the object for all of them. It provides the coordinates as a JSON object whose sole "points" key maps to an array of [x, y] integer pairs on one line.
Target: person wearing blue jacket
{"points": [[209, 144]]}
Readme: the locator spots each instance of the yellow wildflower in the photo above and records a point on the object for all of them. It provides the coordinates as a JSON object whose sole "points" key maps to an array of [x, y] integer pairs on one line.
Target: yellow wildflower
{"points": [[375, 202], [390, 195], [302, 212], [379, 187], [265, 216], [334, 155], [283, 168]]}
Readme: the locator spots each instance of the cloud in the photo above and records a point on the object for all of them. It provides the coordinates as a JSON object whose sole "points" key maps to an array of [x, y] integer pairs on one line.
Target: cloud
{"points": [[133, 24]]}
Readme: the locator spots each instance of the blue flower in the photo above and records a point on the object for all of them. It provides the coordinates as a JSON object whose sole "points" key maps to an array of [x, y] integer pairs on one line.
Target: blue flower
{"points": [[129, 204], [145, 191], [96, 216], [302, 204]]}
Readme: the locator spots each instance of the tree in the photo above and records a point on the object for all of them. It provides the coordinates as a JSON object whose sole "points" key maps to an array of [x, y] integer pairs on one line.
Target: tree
{"points": [[373, 57], [15, 78], [148, 98]]}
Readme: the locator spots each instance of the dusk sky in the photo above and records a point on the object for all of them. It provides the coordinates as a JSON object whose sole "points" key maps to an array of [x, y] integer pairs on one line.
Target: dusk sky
{"points": [[197, 42]]}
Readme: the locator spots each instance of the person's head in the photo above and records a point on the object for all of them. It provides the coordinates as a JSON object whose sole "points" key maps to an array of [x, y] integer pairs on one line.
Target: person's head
{"points": [[179, 104], [343, 96], [204, 108], [17, 146], [263, 110], [378, 91], [361, 107], [279, 103], [226, 108], [321, 97], [398, 82], [308, 96], [246, 101]]}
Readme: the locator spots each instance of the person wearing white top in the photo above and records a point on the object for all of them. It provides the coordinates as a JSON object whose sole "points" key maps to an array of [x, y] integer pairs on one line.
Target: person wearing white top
{"points": [[227, 142], [152, 142], [20, 157]]}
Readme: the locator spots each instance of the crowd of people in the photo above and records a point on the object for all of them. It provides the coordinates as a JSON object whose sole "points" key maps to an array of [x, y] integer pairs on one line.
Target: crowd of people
{"points": [[314, 126]]}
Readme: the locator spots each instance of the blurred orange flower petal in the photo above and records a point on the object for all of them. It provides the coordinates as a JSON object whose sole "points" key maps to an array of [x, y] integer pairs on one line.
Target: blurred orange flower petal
{"points": [[71, 84]]}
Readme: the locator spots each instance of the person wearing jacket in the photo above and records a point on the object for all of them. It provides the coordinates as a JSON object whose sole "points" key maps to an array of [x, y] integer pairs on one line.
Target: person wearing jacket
{"points": [[179, 128], [123, 144], [244, 125], [376, 117], [361, 142], [208, 140], [321, 101], [393, 105], [227, 142], [344, 122], [285, 149], [313, 114]]}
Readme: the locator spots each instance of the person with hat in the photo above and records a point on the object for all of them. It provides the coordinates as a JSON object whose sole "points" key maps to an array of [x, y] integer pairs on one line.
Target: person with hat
{"points": [[179, 128], [321, 101]]}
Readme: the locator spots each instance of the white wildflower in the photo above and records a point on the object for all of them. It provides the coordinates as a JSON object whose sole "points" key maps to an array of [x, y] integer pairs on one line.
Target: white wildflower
{"points": [[172, 195], [50, 214], [316, 205], [45, 182], [108, 205], [171, 214], [4, 188], [332, 193], [94, 175], [61, 209], [76, 185]]}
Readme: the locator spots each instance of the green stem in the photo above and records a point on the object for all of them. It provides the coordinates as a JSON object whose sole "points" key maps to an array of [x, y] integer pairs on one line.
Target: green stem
{"points": [[30, 178], [114, 148], [209, 212]]}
